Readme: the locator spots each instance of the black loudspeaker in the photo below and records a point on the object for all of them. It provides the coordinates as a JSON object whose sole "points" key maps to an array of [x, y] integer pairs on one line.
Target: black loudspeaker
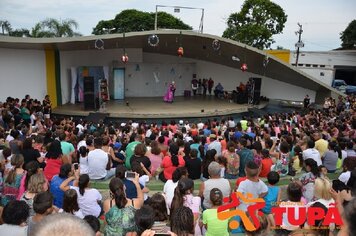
{"points": [[257, 90], [89, 96]]}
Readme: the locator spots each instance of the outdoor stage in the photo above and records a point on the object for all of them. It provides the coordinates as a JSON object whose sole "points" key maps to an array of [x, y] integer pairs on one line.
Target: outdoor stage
{"points": [[145, 108]]}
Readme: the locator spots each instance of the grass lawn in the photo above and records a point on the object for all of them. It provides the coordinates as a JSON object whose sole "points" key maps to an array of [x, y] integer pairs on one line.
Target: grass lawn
{"points": [[157, 185]]}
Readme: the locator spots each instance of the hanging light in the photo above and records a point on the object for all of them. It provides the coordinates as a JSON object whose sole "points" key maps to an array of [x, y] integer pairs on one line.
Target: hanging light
{"points": [[153, 40], [215, 45], [244, 67], [99, 44], [124, 58], [180, 51]]}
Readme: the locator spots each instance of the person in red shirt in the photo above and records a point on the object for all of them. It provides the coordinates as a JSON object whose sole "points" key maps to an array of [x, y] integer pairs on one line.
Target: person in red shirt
{"points": [[266, 163], [171, 162], [54, 160]]}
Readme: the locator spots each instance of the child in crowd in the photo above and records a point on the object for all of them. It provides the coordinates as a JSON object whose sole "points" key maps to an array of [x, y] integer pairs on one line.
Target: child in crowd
{"points": [[266, 163], [323, 172], [282, 164], [252, 185], [211, 222], [43, 206], [7, 157], [13, 179], [171, 184], [182, 221], [183, 196], [94, 224], [233, 161], [273, 196], [83, 160], [193, 165], [307, 180], [144, 174], [70, 203], [264, 228], [223, 163], [294, 193], [297, 160], [144, 219], [347, 167]]}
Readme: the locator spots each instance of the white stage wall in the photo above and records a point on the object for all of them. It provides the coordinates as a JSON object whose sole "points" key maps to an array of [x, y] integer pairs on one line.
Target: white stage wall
{"points": [[148, 74], [22, 72]]}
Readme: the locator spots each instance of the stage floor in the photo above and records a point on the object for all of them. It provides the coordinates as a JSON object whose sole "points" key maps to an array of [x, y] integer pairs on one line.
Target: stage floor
{"points": [[182, 107]]}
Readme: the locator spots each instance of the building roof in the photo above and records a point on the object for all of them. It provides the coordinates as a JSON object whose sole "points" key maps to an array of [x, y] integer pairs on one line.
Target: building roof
{"points": [[196, 46]]}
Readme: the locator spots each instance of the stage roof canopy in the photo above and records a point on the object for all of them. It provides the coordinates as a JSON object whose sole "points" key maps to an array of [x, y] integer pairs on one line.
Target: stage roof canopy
{"points": [[196, 46]]}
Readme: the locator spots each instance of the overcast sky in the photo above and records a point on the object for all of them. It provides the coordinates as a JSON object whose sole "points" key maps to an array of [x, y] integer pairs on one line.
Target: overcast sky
{"points": [[322, 20]]}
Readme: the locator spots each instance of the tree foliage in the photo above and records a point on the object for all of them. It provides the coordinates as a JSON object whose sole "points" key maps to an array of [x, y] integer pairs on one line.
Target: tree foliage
{"points": [[133, 20], [348, 36], [54, 28], [256, 23], [20, 33], [5, 27], [48, 28]]}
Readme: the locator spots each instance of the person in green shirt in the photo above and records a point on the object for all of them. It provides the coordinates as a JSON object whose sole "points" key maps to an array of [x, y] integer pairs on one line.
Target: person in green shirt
{"points": [[213, 225], [131, 148], [244, 123], [67, 148], [25, 112]]}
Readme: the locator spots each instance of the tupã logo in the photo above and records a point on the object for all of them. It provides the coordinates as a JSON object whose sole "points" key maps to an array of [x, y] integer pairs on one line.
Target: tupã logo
{"points": [[229, 210]]}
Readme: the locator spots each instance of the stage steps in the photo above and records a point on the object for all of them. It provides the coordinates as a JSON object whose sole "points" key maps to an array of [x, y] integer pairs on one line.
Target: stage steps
{"points": [[96, 116]]}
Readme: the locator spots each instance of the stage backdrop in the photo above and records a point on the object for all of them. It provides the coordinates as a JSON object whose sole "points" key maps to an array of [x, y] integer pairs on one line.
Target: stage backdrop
{"points": [[152, 79], [78, 74]]}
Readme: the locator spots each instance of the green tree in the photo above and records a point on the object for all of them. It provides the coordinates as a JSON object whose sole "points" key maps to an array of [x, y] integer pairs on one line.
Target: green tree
{"points": [[256, 23], [5, 27], [348, 36], [133, 20], [55, 28], [20, 33]]}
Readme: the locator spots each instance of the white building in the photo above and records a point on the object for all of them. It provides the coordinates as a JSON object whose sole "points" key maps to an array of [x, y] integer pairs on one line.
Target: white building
{"points": [[328, 65]]}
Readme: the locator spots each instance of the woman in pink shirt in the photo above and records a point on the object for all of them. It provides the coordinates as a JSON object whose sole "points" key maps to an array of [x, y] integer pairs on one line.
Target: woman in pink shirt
{"points": [[155, 156], [183, 195]]}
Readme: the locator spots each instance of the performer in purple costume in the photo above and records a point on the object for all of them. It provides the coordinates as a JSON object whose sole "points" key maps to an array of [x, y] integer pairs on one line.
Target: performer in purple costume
{"points": [[169, 96]]}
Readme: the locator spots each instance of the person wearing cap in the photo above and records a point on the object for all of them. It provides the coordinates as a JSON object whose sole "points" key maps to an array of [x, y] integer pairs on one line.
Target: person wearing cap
{"points": [[214, 144]]}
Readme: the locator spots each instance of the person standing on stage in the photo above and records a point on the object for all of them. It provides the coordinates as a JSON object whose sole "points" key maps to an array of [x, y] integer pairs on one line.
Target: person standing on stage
{"points": [[194, 86], [169, 96], [47, 109], [306, 101], [210, 85], [205, 86]]}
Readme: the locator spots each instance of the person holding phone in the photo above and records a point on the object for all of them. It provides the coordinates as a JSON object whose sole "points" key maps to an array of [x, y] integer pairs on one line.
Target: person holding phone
{"points": [[119, 210]]}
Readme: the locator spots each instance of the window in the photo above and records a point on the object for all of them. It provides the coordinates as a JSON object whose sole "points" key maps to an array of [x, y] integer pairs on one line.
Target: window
{"points": [[307, 65], [322, 66], [315, 65], [300, 64]]}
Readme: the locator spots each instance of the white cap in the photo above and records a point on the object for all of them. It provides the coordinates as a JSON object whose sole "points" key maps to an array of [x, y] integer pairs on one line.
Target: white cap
{"points": [[181, 122]]}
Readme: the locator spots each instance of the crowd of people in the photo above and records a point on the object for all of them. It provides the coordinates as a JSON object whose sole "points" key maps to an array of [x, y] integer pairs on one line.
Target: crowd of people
{"points": [[47, 165]]}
